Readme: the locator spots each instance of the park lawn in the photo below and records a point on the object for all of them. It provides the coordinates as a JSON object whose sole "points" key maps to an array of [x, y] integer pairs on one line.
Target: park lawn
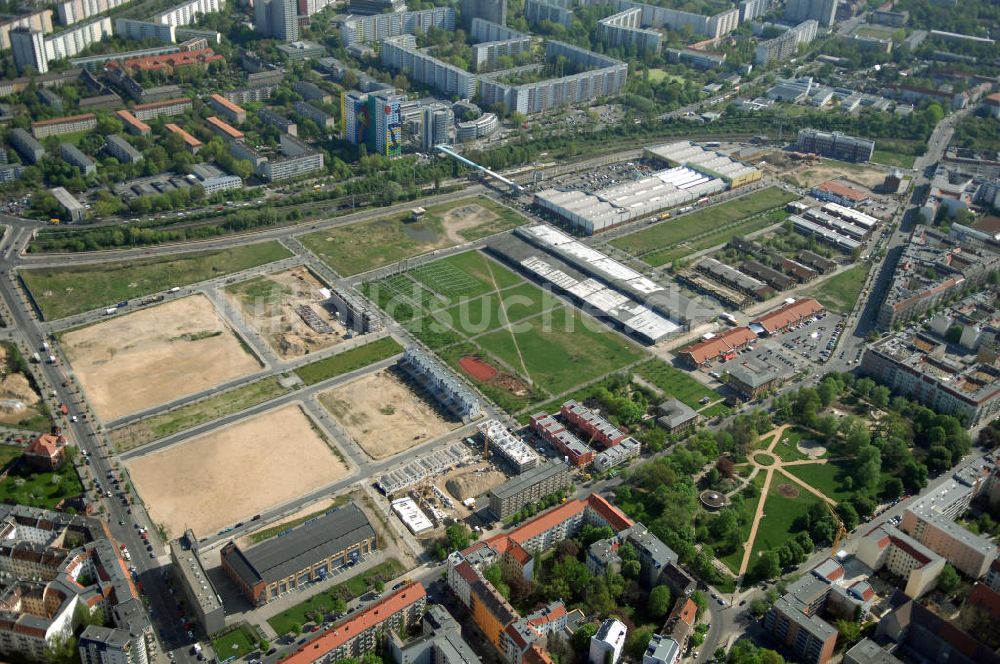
{"points": [[716, 238], [826, 477], [657, 75], [236, 643], [841, 292], [39, 489], [355, 248], [473, 317], [786, 448], [675, 383], [65, 291], [893, 159], [465, 275], [561, 351], [715, 410], [780, 513], [745, 514], [680, 229], [349, 360], [284, 622], [191, 415]]}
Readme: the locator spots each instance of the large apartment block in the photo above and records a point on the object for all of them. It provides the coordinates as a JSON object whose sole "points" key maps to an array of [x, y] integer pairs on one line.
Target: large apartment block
{"points": [[367, 630], [168, 107], [902, 556], [401, 54], [969, 553], [186, 12], [67, 125], [529, 487]]}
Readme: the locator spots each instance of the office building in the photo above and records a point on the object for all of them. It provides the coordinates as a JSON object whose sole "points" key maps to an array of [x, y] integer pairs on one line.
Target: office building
{"points": [[26, 145], [276, 18], [436, 126], [821, 11], [308, 553], [74, 156], [836, 145], [470, 130], [120, 149], [28, 46], [528, 488]]}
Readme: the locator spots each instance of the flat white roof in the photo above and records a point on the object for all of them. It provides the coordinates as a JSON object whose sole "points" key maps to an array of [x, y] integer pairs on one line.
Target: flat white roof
{"points": [[412, 515]]}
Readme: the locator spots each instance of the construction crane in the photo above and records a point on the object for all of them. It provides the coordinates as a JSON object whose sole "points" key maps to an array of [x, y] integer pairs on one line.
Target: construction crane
{"points": [[841, 531]]}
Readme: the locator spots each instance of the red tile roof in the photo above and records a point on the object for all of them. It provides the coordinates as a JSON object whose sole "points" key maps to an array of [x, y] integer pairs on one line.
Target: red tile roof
{"points": [[128, 118], [709, 349], [843, 191], [188, 138], [350, 628], [787, 314], [67, 119], [46, 445], [225, 103], [614, 516], [536, 655], [225, 128]]}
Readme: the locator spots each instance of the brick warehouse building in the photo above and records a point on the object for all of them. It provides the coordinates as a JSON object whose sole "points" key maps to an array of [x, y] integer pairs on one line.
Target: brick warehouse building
{"points": [[306, 553]]}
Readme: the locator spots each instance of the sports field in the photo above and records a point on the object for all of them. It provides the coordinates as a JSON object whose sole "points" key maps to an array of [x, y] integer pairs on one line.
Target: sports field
{"points": [[64, 291], [726, 219], [364, 246], [470, 306]]}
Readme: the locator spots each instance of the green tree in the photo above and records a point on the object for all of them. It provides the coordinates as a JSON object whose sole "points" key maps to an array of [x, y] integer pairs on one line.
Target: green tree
{"points": [[62, 650], [948, 581], [848, 631], [659, 602], [767, 566], [457, 535], [581, 638]]}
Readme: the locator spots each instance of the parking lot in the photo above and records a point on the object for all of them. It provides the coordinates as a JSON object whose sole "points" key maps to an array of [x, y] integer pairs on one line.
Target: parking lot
{"points": [[815, 340]]}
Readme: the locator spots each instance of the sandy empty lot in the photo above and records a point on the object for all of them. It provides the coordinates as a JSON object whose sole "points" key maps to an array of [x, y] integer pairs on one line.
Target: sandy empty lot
{"points": [[234, 473], [465, 218], [269, 303], [153, 356], [383, 415]]}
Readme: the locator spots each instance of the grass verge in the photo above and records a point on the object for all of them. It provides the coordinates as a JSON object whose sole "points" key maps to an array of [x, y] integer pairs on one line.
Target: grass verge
{"points": [[236, 643], [349, 360], [212, 408], [841, 292], [65, 291]]}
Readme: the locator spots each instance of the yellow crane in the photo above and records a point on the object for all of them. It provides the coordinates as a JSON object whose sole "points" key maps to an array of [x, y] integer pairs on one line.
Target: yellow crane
{"points": [[841, 531]]}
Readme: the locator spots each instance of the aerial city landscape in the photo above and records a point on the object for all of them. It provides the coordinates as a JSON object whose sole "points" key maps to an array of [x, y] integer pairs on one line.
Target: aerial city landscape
{"points": [[504, 331]]}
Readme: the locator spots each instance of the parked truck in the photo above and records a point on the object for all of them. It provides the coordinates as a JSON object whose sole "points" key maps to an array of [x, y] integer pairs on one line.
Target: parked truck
{"points": [[110, 311], [35, 357], [52, 359]]}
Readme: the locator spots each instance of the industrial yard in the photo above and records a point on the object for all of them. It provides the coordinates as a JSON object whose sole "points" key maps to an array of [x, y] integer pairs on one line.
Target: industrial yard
{"points": [[231, 474], [384, 415], [285, 308], [185, 344]]}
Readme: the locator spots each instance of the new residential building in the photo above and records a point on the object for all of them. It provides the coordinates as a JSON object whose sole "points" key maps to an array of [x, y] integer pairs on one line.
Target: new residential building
{"points": [[836, 145], [903, 556]]}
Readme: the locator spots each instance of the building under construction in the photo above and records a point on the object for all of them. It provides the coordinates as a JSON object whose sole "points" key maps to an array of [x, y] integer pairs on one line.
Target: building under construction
{"points": [[499, 440]]}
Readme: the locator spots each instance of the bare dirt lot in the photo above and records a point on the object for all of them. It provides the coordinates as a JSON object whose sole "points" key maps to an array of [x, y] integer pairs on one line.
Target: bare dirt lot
{"points": [[17, 397], [383, 415], [470, 482], [234, 473], [465, 218], [270, 304], [152, 356], [806, 173]]}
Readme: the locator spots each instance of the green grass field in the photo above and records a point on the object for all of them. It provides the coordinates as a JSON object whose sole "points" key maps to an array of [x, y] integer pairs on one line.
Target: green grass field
{"points": [[667, 234], [484, 314], [561, 352], [236, 643], [349, 360], [827, 477], [786, 447], [348, 590], [46, 490], [678, 384], [657, 75], [191, 415], [780, 513], [465, 275], [8, 453], [841, 292], [64, 291], [893, 159], [716, 238], [364, 246], [745, 512]]}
